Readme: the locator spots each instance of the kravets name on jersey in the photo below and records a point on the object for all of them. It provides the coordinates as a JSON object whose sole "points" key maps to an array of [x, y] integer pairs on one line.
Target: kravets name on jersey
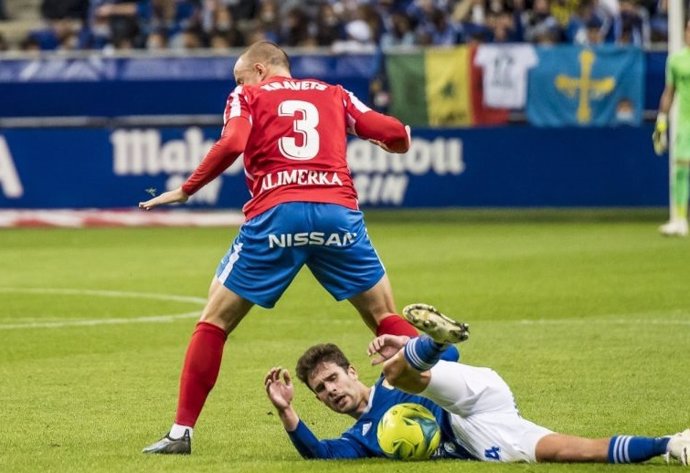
{"points": [[294, 85]]}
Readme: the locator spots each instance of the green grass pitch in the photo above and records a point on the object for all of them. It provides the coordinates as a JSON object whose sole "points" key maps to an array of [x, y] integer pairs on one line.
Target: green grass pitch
{"points": [[585, 314]]}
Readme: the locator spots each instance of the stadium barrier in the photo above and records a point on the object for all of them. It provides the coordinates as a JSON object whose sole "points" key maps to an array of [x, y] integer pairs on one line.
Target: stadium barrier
{"points": [[517, 166]]}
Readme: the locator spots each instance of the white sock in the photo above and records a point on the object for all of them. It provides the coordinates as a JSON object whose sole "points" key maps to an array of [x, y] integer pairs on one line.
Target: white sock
{"points": [[177, 431]]}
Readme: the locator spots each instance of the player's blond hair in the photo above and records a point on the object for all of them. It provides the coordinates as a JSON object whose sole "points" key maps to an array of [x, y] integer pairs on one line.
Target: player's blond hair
{"points": [[266, 52]]}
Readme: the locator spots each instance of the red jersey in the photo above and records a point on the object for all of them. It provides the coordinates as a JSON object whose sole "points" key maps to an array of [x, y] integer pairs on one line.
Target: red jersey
{"points": [[295, 142]]}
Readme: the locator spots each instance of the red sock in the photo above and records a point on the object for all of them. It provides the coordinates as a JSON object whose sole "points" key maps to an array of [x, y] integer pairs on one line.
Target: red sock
{"points": [[200, 371], [396, 325]]}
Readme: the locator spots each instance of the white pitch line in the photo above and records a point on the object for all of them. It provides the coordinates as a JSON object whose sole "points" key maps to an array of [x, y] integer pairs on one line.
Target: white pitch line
{"points": [[95, 322], [60, 323], [119, 294]]}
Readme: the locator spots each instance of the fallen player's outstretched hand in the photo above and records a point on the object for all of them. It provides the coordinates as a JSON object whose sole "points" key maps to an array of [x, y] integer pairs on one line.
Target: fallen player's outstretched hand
{"points": [[170, 197], [279, 391], [386, 346]]}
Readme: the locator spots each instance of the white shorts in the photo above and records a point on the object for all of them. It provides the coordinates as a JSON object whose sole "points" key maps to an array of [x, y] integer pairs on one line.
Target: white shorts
{"points": [[483, 414]]}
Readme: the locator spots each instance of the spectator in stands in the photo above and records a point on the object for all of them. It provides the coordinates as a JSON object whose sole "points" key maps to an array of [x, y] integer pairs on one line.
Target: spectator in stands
{"points": [[371, 17], [266, 26], [588, 17], [632, 24], [610, 8], [503, 27], [162, 20], [400, 32], [173, 15], [471, 15], [4, 45], [546, 35], [222, 30], [157, 40], [421, 10], [66, 33], [63, 9], [593, 33], [349, 25], [294, 29], [658, 22], [189, 38], [437, 30], [329, 27], [30, 44], [564, 10], [256, 34], [116, 23], [224, 39], [464, 12], [243, 10], [358, 39], [538, 21]]}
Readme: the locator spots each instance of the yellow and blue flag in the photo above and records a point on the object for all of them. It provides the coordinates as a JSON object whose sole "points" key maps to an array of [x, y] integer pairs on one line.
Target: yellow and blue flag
{"points": [[580, 86]]}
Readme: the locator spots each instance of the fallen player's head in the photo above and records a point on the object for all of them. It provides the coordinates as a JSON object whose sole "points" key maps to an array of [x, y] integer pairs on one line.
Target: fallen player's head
{"points": [[325, 369]]}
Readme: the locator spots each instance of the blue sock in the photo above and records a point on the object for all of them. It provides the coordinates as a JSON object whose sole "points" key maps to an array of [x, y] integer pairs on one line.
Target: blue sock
{"points": [[629, 449], [422, 352]]}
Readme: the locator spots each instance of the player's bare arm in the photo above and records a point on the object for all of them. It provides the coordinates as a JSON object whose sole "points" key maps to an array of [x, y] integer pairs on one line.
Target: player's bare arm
{"points": [[171, 197], [280, 391]]}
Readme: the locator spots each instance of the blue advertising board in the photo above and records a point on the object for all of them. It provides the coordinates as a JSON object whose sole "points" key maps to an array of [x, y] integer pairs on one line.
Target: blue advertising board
{"points": [[494, 167]]}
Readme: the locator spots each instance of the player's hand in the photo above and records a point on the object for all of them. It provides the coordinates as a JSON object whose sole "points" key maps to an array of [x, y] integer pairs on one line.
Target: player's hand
{"points": [[396, 147], [170, 197], [385, 347], [660, 135], [279, 391]]}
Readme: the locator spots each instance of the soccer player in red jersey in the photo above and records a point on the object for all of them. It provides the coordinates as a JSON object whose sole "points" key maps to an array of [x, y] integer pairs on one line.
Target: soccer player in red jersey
{"points": [[303, 210]]}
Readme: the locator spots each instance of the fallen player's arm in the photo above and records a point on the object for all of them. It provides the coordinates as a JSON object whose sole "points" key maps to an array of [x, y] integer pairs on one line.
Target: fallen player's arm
{"points": [[280, 391], [310, 447]]}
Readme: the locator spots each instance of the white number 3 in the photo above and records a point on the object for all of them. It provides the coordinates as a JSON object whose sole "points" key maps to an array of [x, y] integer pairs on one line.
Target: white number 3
{"points": [[306, 126]]}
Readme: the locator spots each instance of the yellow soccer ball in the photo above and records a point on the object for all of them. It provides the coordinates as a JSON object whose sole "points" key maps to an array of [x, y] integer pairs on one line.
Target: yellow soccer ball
{"points": [[408, 431]]}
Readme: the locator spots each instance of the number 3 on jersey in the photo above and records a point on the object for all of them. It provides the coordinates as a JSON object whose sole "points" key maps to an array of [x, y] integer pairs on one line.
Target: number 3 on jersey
{"points": [[305, 126]]}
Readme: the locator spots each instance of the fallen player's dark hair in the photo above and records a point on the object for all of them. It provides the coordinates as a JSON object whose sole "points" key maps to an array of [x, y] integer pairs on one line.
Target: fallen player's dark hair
{"points": [[322, 353]]}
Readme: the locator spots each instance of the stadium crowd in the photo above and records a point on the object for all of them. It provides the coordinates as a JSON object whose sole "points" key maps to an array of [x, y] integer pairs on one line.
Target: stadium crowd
{"points": [[344, 25]]}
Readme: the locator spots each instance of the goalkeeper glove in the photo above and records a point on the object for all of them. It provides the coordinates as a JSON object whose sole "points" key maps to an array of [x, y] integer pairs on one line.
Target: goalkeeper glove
{"points": [[660, 136]]}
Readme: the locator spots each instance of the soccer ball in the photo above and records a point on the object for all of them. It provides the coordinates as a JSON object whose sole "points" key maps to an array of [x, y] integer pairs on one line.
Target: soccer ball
{"points": [[408, 431]]}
